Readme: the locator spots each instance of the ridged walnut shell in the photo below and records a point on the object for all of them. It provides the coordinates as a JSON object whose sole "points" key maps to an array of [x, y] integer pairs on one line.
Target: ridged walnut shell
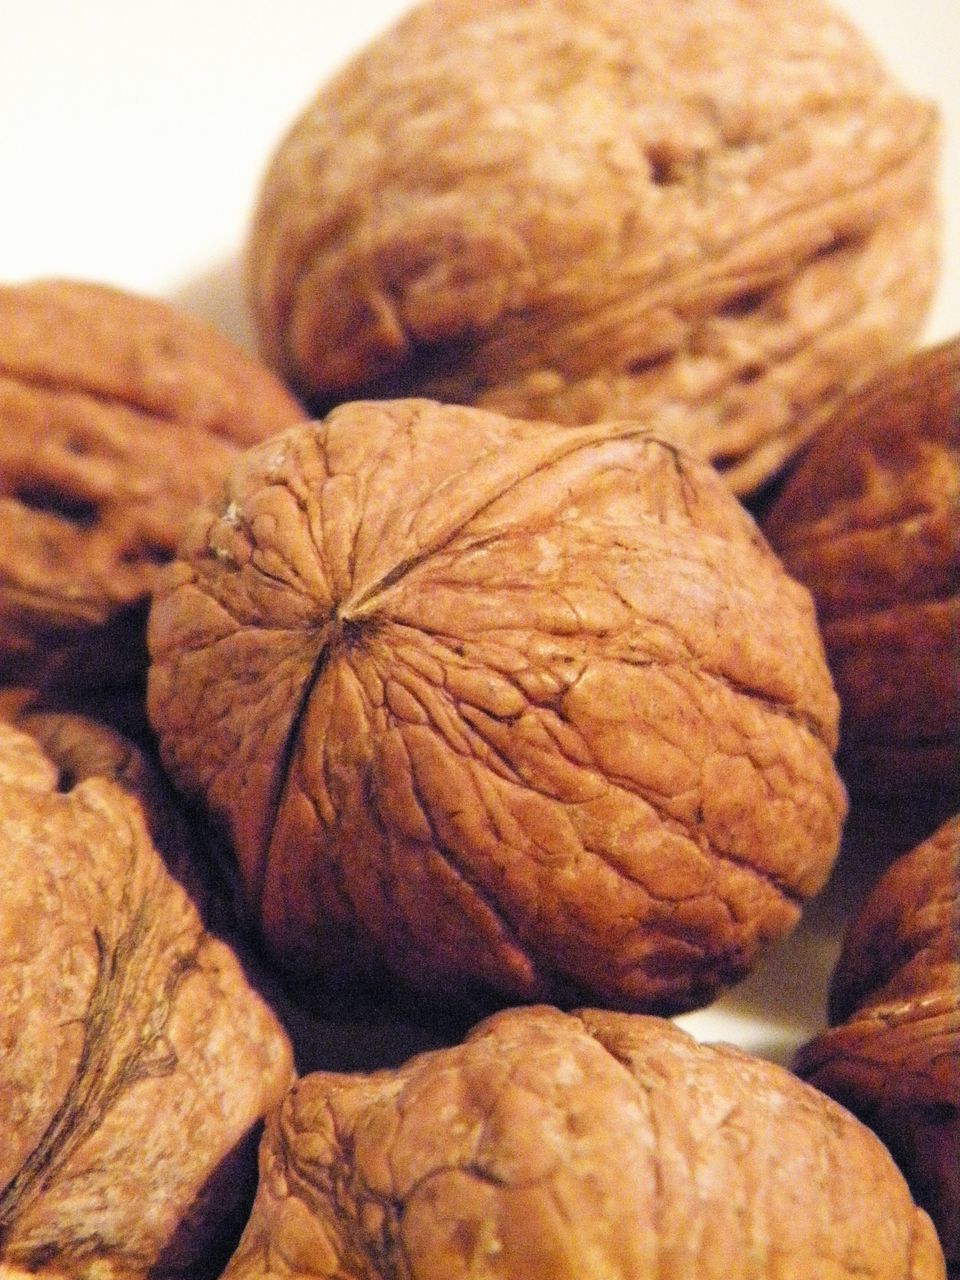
{"points": [[118, 414], [577, 1147], [81, 746], [500, 706], [136, 1064], [893, 1053], [712, 216], [869, 522]]}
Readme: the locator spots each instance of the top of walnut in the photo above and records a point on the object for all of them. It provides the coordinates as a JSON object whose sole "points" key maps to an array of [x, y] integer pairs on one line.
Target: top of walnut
{"points": [[577, 1147], [712, 215], [499, 706]]}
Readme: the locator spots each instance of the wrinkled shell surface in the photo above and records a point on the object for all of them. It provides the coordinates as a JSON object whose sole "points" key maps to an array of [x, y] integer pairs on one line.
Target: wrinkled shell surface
{"points": [[577, 1147], [893, 1055], [118, 414], [713, 216], [502, 706], [135, 1061], [82, 747], [869, 523]]}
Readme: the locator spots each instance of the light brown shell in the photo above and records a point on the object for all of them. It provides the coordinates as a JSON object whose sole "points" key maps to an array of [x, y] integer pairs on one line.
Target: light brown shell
{"points": [[118, 414], [712, 216], [135, 1061], [506, 708], [577, 1147], [893, 1053], [869, 522]]}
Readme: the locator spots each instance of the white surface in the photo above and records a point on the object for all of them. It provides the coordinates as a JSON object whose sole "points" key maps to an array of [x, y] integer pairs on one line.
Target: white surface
{"points": [[133, 136]]}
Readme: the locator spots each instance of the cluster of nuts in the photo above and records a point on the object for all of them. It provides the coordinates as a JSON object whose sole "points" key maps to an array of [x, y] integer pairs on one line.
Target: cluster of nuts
{"points": [[490, 671]]}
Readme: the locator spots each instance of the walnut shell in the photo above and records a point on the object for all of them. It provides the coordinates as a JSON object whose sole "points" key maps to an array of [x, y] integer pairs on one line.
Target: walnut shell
{"points": [[118, 414], [711, 216], [868, 521], [81, 747], [136, 1063], [893, 1053], [510, 709], [574, 1147]]}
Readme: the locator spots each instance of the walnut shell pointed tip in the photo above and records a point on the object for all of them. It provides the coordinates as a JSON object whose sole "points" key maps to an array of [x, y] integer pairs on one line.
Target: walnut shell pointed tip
{"points": [[501, 708]]}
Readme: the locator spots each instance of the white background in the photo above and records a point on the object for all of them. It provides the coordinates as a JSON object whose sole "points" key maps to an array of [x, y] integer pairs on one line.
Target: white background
{"points": [[133, 137]]}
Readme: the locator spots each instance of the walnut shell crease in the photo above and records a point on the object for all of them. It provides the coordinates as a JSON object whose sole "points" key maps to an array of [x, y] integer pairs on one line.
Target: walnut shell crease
{"points": [[499, 707]]}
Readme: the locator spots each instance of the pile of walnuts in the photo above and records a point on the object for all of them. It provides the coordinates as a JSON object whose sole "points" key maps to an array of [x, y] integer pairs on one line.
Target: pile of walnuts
{"points": [[399, 727]]}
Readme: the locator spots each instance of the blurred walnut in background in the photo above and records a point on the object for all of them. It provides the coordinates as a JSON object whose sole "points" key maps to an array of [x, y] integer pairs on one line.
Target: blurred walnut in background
{"points": [[713, 216], [892, 1054], [118, 414], [870, 522]]}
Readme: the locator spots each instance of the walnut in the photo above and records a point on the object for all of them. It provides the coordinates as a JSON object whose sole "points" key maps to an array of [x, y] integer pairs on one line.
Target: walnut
{"points": [[510, 710], [868, 521], [117, 415], [554, 1146], [81, 747], [892, 1054], [712, 216], [136, 1064]]}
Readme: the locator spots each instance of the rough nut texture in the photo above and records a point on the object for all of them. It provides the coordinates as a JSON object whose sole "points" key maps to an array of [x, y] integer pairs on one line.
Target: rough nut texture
{"points": [[118, 414], [720, 212], [591, 1146], [135, 1062], [82, 747], [501, 705], [893, 1053], [869, 522]]}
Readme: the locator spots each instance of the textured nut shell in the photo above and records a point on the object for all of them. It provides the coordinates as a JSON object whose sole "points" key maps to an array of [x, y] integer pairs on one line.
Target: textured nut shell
{"points": [[82, 747], [712, 216], [894, 1055], [118, 414], [868, 522], [503, 705], [573, 1147], [135, 1061]]}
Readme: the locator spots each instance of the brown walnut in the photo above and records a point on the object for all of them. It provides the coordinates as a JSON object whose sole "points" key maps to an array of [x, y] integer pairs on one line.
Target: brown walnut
{"points": [[504, 708], [582, 1146], [136, 1064], [868, 521], [892, 1054], [118, 414], [712, 216]]}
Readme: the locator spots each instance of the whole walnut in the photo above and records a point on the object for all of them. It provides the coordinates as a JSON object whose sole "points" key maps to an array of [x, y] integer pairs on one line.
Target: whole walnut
{"points": [[868, 521], [136, 1063], [714, 216], [118, 414], [511, 710], [581, 1146], [892, 1054]]}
